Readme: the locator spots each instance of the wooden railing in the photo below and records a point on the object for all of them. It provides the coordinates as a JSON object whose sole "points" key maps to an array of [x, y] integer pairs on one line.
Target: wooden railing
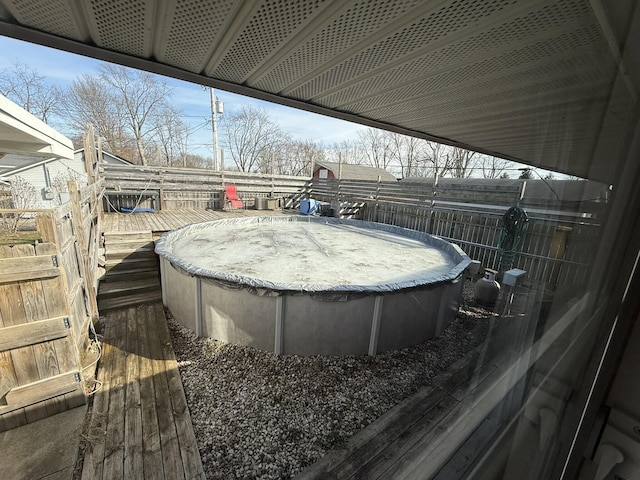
{"points": [[160, 188], [47, 301]]}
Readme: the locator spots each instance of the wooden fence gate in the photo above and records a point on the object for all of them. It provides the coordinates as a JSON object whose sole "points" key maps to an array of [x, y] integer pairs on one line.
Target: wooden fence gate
{"points": [[47, 299]]}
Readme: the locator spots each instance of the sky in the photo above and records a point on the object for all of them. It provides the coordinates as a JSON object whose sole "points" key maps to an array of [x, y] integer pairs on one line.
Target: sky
{"points": [[61, 68]]}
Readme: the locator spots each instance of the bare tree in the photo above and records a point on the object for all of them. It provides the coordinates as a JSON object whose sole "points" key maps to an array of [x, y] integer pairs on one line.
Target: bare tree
{"points": [[377, 146], [23, 197], [26, 87], [142, 96], [252, 138], [197, 161], [462, 162], [173, 137], [297, 157], [89, 100], [408, 153], [438, 160], [347, 151], [60, 184], [126, 107], [493, 167]]}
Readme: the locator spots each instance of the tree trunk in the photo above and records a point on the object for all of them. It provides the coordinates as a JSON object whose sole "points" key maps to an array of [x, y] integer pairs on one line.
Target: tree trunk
{"points": [[143, 158]]}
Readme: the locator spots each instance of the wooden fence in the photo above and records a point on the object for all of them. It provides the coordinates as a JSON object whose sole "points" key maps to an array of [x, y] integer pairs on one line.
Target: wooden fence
{"points": [[557, 246], [47, 299], [164, 188]]}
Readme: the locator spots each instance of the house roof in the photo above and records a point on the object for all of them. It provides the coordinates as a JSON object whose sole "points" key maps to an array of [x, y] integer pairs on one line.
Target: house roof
{"points": [[356, 172], [14, 163], [106, 157]]}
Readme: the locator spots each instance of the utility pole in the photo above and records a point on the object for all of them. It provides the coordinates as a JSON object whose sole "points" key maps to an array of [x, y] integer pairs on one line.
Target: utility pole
{"points": [[216, 108]]}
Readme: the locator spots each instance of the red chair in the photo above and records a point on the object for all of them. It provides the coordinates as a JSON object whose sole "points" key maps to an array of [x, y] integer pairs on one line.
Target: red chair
{"points": [[231, 195]]}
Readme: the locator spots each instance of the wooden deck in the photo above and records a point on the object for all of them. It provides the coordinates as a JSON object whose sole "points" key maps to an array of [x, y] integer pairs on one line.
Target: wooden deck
{"points": [[167, 220], [140, 425]]}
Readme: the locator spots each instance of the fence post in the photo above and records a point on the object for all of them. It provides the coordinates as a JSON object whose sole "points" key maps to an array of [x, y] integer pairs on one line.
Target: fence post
{"points": [[77, 223], [46, 226], [428, 226], [375, 206], [523, 187], [160, 190]]}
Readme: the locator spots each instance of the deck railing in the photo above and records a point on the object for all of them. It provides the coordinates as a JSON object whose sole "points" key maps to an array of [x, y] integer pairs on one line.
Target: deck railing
{"points": [[171, 188]]}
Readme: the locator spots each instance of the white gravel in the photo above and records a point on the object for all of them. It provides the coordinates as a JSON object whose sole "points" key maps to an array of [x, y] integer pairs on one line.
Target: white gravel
{"points": [[256, 415]]}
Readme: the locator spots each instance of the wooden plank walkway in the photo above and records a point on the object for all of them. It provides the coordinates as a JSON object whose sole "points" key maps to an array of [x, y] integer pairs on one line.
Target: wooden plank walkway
{"points": [[140, 425], [167, 220]]}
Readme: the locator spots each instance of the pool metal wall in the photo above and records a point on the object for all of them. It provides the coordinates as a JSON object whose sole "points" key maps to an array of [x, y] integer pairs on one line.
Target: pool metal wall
{"points": [[303, 323]]}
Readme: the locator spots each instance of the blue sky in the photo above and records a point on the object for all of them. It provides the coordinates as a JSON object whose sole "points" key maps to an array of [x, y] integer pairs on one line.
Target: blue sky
{"points": [[61, 68]]}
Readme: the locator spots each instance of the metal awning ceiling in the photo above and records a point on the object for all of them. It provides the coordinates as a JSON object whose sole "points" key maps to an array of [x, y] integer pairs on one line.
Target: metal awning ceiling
{"points": [[546, 82]]}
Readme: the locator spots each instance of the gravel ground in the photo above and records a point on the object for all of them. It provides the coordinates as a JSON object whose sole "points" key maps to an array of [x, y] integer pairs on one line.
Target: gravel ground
{"points": [[256, 415]]}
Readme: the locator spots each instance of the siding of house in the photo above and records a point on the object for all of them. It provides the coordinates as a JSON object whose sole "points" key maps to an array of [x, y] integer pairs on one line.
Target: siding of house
{"points": [[36, 177]]}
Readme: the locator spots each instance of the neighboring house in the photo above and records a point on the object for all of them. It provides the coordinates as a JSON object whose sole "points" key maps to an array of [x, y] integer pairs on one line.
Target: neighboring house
{"points": [[37, 154], [108, 158], [347, 171], [48, 176]]}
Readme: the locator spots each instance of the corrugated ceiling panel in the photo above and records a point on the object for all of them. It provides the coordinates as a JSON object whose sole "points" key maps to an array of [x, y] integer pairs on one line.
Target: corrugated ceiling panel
{"points": [[122, 25], [353, 24], [193, 30], [496, 43], [269, 27], [413, 39], [54, 17]]}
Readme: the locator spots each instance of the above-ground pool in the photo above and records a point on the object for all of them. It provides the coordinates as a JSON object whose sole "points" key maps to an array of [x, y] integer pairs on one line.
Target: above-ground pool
{"points": [[310, 286]]}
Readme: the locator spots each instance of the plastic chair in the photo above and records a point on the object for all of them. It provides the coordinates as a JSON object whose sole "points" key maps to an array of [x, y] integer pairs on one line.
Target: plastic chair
{"points": [[231, 195]]}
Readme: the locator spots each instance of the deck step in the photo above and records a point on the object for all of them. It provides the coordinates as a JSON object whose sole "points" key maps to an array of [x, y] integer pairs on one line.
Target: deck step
{"points": [[130, 274], [142, 252], [123, 301], [126, 287], [131, 271], [131, 264], [113, 237], [127, 244]]}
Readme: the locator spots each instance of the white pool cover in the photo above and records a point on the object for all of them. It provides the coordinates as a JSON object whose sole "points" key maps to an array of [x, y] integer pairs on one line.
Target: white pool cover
{"points": [[312, 254]]}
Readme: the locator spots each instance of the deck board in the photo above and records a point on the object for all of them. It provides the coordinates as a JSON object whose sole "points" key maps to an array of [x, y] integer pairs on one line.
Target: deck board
{"points": [[140, 426], [167, 220]]}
